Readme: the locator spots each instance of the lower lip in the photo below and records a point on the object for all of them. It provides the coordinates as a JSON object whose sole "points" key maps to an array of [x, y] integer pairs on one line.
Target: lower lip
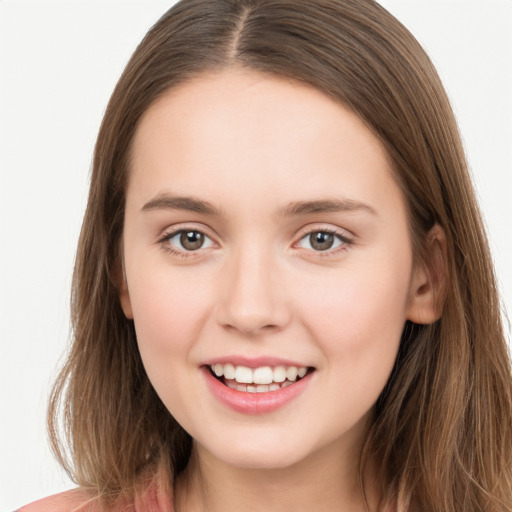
{"points": [[254, 403]]}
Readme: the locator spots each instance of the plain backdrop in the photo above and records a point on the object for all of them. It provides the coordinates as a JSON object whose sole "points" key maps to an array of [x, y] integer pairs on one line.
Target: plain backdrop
{"points": [[59, 62]]}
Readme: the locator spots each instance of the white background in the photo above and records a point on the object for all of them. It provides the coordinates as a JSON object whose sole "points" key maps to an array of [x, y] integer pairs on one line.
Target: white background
{"points": [[59, 62]]}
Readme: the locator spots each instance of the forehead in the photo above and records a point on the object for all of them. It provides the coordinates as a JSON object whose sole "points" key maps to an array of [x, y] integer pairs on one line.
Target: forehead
{"points": [[255, 138]]}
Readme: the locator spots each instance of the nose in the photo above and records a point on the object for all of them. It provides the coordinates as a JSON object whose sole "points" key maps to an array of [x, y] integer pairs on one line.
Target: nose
{"points": [[252, 297]]}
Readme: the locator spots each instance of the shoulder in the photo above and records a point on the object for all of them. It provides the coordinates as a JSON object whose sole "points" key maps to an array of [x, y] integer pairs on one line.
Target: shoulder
{"points": [[76, 500], [152, 498]]}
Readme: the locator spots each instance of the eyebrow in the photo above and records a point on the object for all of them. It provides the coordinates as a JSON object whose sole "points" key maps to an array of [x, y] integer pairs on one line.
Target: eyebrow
{"points": [[294, 208], [324, 206], [190, 204]]}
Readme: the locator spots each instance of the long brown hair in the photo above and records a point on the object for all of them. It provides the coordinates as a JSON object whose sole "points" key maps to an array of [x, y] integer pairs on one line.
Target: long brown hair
{"points": [[441, 434]]}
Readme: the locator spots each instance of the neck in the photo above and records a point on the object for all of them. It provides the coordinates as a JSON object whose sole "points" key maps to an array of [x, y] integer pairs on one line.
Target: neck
{"points": [[325, 481]]}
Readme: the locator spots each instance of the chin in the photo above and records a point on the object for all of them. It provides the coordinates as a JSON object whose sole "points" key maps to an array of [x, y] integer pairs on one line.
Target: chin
{"points": [[266, 454]]}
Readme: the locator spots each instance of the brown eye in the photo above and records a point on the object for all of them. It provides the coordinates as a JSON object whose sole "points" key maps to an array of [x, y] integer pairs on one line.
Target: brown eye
{"points": [[186, 240], [191, 240], [321, 241], [324, 241]]}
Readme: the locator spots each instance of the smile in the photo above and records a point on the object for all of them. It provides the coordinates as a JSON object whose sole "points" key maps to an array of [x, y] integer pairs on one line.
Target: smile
{"points": [[257, 380], [256, 390]]}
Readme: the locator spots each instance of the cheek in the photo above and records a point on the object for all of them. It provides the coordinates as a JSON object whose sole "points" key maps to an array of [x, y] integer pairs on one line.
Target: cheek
{"points": [[357, 317], [357, 323], [167, 313]]}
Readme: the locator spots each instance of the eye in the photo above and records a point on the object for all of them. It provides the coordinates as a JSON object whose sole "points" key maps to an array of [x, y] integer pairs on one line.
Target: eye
{"points": [[324, 240], [186, 240]]}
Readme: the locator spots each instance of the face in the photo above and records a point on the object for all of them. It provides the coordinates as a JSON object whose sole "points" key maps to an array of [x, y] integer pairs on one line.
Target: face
{"points": [[265, 241]]}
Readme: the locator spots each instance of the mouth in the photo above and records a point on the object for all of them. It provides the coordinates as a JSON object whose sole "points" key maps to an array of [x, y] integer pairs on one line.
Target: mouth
{"points": [[263, 379]]}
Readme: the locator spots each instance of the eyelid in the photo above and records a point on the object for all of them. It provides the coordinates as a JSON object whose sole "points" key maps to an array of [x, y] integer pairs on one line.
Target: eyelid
{"points": [[326, 228], [171, 232], [345, 237], [184, 226]]}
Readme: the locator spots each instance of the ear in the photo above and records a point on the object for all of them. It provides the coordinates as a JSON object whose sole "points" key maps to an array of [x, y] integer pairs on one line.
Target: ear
{"points": [[429, 281], [124, 294]]}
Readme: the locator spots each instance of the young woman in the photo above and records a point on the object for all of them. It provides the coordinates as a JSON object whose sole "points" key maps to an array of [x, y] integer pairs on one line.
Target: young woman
{"points": [[283, 296]]}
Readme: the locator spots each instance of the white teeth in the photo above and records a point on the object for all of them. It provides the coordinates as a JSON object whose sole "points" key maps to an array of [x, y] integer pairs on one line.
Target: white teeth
{"points": [[291, 373], [243, 375], [219, 370], [229, 371], [279, 374], [262, 376], [260, 388]]}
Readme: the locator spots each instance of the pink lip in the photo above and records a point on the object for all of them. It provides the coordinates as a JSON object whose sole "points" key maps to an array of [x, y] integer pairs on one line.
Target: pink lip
{"points": [[253, 362], [254, 403]]}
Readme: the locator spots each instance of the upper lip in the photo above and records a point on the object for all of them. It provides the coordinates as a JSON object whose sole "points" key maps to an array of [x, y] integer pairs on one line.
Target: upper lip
{"points": [[253, 362]]}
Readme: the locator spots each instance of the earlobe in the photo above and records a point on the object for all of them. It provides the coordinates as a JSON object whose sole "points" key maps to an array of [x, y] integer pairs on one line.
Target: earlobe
{"points": [[429, 281]]}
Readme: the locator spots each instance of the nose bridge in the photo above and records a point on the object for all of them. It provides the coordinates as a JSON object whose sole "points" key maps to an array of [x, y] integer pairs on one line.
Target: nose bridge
{"points": [[252, 297]]}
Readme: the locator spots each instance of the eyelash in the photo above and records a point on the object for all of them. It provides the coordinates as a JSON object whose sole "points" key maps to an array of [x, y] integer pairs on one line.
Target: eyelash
{"points": [[345, 242]]}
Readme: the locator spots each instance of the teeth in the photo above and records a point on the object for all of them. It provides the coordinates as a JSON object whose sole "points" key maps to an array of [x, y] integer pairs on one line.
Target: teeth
{"points": [[263, 375], [229, 371], [259, 388], [243, 375], [260, 379], [219, 370], [279, 374], [291, 373]]}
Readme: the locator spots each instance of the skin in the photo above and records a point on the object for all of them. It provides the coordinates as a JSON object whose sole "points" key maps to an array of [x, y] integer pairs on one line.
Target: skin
{"points": [[250, 144]]}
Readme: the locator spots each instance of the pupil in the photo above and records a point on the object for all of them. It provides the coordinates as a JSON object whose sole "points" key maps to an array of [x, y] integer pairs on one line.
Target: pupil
{"points": [[321, 241], [191, 240]]}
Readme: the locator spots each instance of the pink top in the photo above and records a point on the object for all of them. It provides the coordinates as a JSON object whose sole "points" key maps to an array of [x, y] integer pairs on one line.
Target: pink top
{"points": [[78, 500]]}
